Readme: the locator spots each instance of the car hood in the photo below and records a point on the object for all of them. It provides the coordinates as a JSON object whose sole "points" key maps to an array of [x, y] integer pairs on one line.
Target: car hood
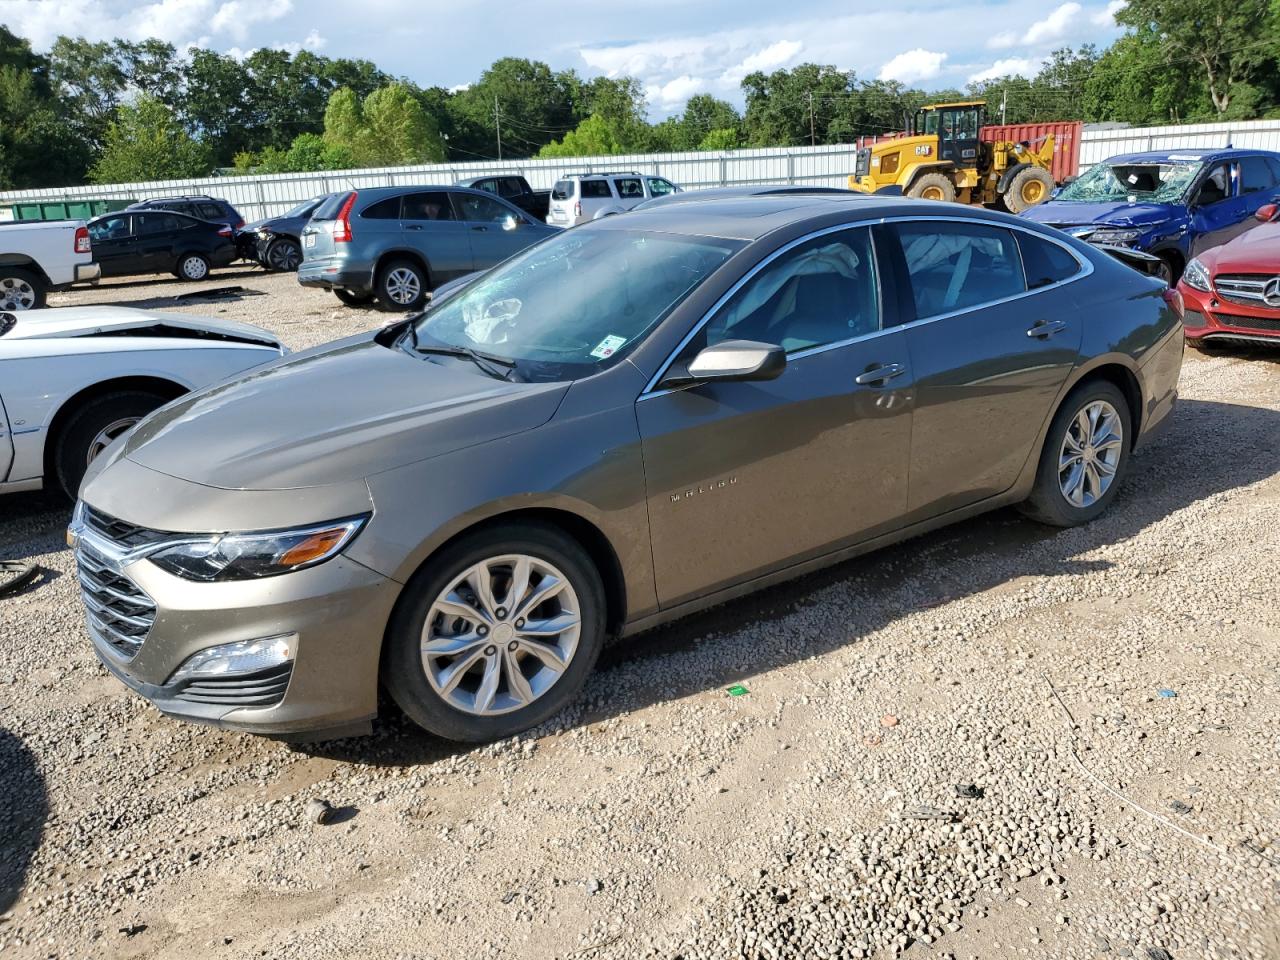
{"points": [[1061, 213], [1255, 251], [122, 321], [332, 415]]}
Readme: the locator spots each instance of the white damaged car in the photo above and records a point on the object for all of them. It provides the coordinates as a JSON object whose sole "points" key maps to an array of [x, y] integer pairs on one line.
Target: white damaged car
{"points": [[75, 378]]}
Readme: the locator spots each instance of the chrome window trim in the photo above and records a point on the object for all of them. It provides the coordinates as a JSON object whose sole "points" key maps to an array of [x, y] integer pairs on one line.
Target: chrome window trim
{"points": [[1086, 269]]}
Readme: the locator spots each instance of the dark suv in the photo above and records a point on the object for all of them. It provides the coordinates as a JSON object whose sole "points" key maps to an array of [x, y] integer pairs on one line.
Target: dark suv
{"points": [[213, 209], [396, 244]]}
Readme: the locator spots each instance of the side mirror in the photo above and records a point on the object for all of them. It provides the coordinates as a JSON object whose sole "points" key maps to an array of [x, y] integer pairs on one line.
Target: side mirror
{"points": [[511, 222], [734, 360], [1267, 212]]}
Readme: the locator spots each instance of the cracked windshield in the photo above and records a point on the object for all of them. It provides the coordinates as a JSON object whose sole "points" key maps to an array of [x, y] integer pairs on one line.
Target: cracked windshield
{"points": [[1159, 182], [575, 302]]}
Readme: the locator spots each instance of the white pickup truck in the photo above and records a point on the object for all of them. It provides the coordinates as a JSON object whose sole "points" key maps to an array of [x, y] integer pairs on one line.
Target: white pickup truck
{"points": [[42, 255]]}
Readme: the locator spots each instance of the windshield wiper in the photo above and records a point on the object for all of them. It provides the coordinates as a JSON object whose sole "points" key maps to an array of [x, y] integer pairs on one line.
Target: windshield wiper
{"points": [[499, 367]]}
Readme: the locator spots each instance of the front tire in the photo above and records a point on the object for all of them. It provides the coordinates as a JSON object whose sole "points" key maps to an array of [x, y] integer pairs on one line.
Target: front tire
{"points": [[496, 634], [1085, 457], [933, 186], [21, 290], [402, 285], [284, 255], [1029, 186], [192, 266], [92, 428]]}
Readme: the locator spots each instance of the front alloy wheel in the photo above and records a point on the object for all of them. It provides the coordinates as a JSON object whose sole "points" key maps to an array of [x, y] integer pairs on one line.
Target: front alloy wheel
{"points": [[496, 633]]}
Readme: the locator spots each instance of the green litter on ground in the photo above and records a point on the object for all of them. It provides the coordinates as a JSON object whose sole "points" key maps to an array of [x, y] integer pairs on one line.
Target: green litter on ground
{"points": [[737, 690]]}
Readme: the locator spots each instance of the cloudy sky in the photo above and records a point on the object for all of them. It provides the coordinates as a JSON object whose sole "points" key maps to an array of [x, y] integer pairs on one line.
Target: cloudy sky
{"points": [[676, 48]]}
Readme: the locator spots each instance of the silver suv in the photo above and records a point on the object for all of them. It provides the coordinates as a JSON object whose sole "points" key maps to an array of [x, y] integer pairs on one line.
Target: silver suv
{"points": [[589, 196]]}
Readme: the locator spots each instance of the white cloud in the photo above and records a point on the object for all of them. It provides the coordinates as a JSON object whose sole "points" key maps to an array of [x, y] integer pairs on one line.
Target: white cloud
{"points": [[1107, 16], [673, 94], [770, 58], [1012, 66], [177, 21], [459, 87], [314, 42], [1054, 26], [913, 66], [236, 17], [1003, 40]]}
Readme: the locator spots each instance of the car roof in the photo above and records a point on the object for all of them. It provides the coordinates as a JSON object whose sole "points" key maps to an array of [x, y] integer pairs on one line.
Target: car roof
{"points": [[1160, 156], [752, 217]]}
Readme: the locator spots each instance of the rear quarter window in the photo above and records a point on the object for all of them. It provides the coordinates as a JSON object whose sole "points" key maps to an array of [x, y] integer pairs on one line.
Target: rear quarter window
{"points": [[1044, 262], [388, 209]]}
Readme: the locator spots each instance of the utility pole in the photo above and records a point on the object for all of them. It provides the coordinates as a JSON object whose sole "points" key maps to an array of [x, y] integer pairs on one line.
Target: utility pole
{"points": [[497, 124], [1004, 104], [813, 140]]}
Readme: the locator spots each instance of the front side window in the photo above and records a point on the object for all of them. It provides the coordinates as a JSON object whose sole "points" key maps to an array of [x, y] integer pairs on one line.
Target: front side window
{"points": [[821, 292], [576, 302], [481, 209], [110, 228], [488, 186], [659, 187], [429, 205], [954, 266], [1216, 186], [510, 187]]}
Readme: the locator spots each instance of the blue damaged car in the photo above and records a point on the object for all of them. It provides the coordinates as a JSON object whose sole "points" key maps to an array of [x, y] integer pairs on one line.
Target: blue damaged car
{"points": [[1171, 204]]}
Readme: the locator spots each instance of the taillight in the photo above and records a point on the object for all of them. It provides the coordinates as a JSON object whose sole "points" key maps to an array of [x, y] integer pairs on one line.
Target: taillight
{"points": [[224, 231], [82, 240], [577, 208], [342, 231], [239, 224], [1174, 299]]}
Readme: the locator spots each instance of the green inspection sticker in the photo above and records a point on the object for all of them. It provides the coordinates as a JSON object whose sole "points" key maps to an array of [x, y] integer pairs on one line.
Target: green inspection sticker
{"points": [[737, 690]]}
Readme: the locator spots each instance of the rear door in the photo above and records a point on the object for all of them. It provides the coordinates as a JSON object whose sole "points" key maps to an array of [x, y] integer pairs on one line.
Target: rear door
{"points": [[989, 354], [488, 223], [744, 477], [114, 244], [157, 238], [431, 226]]}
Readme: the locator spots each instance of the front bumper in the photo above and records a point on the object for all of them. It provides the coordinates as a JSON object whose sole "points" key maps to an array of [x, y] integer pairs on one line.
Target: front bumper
{"points": [[334, 614], [1209, 318]]}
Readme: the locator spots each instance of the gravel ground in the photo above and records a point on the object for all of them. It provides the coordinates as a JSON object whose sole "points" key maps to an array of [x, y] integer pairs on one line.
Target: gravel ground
{"points": [[958, 747]]}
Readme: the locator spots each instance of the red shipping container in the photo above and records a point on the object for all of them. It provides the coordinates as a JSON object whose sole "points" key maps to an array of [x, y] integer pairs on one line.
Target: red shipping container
{"points": [[1066, 142]]}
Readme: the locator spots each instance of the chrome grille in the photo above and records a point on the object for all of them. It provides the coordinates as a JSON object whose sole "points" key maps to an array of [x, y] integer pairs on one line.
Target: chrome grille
{"points": [[119, 531], [1242, 288], [118, 610]]}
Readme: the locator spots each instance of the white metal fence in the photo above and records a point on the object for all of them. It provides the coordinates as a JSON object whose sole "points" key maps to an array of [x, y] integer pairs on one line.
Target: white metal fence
{"points": [[268, 195]]}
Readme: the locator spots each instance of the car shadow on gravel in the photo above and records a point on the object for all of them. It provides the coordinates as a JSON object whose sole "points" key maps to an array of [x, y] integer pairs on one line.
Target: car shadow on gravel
{"points": [[24, 804], [1209, 448]]}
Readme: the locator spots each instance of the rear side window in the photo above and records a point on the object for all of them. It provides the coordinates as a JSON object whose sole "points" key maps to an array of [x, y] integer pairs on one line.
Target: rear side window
{"points": [[388, 209], [211, 211], [1256, 175], [1044, 262], [954, 266], [152, 223], [629, 188], [330, 206], [429, 205], [596, 189], [563, 190]]}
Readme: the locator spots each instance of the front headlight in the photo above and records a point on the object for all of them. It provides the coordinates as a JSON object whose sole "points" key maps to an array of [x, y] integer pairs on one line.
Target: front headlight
{"points": [[1196, 275], [1115, 236], [249, 556]]}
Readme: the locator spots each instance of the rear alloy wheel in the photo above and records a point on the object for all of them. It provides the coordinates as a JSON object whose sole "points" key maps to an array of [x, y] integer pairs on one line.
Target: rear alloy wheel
{"points": [[20, 289], [284, 255], [92, 429], [1029, 186], [192, 266], [933, 186], [402, 285], [1085, 455], [497, 634]]}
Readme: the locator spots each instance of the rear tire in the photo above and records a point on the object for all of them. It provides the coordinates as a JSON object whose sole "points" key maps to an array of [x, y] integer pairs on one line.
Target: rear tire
{"points": [[417, 681], [353, 299], [92, 427], [193, 267], [1078, 447], [933, 186], [21, 289], [1029, 186], [402, 285]]}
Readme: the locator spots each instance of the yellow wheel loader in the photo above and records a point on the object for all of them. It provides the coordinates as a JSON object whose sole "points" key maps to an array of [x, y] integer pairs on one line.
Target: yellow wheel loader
{"points": [[944, 158]]}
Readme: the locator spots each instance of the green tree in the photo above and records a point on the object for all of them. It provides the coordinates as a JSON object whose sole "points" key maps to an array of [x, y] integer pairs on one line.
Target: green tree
{"points": [[215, 106], [145, 141], [721, 138], [1228, 42], [533, 105], [593, 137], [396, 130], [793, 107], [38, 144], [1134, 82]]}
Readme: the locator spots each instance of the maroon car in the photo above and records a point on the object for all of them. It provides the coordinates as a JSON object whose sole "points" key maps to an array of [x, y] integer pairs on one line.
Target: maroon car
{"points": [[1232, 292]]}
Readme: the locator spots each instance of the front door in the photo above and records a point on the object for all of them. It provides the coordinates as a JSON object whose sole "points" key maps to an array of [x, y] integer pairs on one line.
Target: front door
{"points": [[115, 247], [743, 477], [489, 226], [991, 342], [958, 136], [1218, 212]]}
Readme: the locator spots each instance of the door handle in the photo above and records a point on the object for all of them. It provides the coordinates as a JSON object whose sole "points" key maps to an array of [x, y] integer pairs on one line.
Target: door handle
{"points": [[413, 226], [480, 229], [880, 374], [1044, 329]]}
